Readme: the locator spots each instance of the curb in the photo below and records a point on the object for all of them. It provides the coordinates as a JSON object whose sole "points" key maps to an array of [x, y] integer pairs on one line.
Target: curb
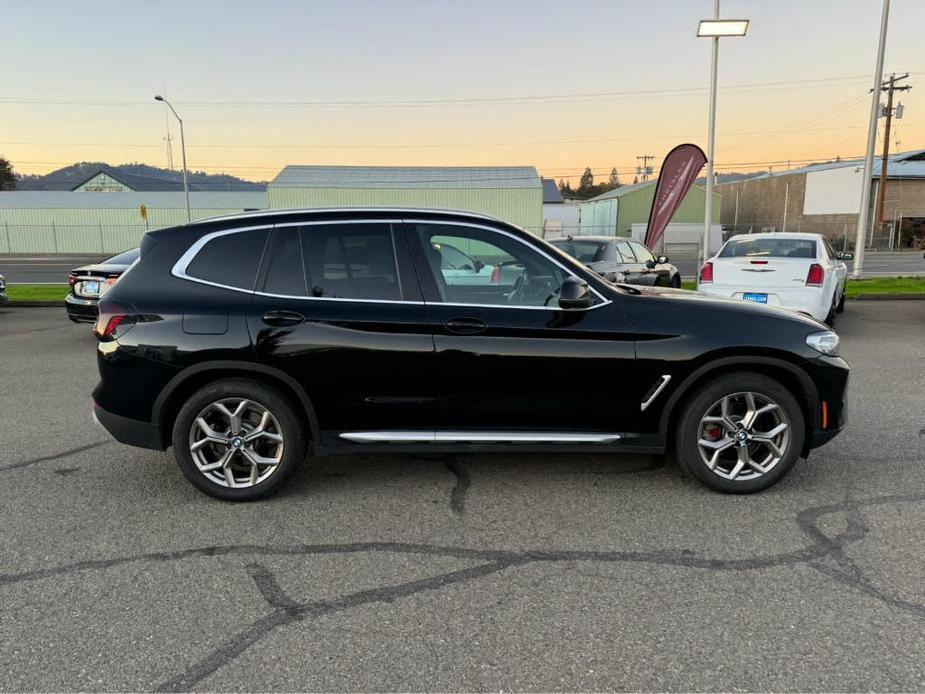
{"points": [[33, 303], [887, 297]]}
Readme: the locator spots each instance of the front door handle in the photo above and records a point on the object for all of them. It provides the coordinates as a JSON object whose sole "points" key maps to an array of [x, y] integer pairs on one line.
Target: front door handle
{"points": [[282, 318], [465, 326]]}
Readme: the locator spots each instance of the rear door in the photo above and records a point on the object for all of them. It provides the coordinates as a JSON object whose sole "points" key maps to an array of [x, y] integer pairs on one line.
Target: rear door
{"points": [[338, 307]]}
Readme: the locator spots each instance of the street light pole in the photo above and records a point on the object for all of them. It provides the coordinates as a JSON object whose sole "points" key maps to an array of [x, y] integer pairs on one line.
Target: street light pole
{"points": [[714, 29], [711, 136], [863, 213], [189, 216]]}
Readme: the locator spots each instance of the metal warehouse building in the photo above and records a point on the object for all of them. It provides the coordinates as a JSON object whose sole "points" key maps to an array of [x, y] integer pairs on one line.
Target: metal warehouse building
{"points": [[824, 198], [512, 193]]}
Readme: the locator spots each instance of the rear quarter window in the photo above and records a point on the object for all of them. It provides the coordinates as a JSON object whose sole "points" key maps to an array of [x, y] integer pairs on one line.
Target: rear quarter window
{"points": [[231, 259]]}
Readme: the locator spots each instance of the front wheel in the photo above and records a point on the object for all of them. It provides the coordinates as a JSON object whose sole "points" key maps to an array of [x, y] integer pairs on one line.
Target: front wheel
{"points": [[238, 440], [676, 281], [741, 433]]}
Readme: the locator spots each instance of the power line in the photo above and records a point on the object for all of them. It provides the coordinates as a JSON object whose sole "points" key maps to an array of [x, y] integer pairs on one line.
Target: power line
{"points": [[463, 101]]}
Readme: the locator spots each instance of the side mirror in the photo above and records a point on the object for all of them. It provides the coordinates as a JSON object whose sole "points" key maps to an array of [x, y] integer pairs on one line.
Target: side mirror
{"points": [[650, 264], [478, 264], [662, 259], [846, 255], [575, 293]]}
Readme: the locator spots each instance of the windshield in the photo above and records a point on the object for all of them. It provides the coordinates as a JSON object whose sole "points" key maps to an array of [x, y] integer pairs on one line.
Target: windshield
{"points": [[769, 248], [585, 251]]}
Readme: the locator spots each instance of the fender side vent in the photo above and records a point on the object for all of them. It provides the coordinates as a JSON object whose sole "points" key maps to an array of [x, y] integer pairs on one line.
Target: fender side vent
{"points": [[656, 388]]}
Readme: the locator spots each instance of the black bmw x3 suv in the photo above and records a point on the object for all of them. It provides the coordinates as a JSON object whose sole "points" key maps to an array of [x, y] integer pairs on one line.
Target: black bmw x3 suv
{"points": [[247, 341]]}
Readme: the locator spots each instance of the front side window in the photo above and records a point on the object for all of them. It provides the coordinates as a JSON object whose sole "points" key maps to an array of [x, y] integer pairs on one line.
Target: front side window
{"points": [[643, 255], [625, 252], [351, 261], [230, 259], [505, 272]]}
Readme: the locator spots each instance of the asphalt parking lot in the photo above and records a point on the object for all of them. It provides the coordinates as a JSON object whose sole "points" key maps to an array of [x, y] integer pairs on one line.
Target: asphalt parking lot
{"points": [[556, 572]]}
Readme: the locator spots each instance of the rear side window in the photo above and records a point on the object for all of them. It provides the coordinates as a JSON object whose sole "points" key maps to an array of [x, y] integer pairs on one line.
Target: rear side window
{"points": [[231, 259], [285, 274], [769, 248], [351, 261]]}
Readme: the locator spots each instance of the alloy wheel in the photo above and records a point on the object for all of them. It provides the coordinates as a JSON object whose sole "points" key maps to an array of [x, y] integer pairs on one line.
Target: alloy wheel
{"points": [[236, 442], [743, 436]]}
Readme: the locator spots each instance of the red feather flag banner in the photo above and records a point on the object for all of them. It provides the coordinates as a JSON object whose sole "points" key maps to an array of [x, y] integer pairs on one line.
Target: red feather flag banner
{"points": [[678, 173]]}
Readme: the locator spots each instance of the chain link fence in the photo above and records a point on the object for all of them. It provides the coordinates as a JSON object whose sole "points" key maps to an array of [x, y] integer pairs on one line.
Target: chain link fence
{"points": [[41, 239]]}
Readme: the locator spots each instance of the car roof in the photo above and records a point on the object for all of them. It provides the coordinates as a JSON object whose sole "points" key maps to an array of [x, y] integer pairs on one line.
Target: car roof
{"points": [[271, 213]]}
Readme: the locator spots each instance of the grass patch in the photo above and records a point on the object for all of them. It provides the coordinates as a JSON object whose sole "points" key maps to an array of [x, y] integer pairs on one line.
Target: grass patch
{"points": [[36, 292], [876, 285], [887, 285]]}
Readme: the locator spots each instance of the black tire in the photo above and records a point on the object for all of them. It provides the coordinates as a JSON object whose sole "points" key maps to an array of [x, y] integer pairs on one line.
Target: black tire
{"points": [[291, 428], [689, 431], [841, 304], [830, 316], [676, 281]]}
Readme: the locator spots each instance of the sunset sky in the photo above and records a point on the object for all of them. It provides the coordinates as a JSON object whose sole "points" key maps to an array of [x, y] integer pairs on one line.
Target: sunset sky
{"points": [[558, 85]]}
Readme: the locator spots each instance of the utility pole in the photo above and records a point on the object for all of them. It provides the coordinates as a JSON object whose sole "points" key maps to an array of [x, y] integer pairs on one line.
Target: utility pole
{"points": [[645, 169], [889, 87], [864, 203]]}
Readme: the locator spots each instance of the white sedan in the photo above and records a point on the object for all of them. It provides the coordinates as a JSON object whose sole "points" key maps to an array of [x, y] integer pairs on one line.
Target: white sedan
{"points": [[801, 272]]}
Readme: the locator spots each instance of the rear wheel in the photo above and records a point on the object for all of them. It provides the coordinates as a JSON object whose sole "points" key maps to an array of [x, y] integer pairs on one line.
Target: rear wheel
{"points": [[841, 303], [830, 316], [741, 433], [238, 440]]}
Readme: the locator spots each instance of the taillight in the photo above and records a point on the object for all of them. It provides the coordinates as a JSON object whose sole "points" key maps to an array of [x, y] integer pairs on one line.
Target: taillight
{"points": [[496, 275], [72, 279], [706, 273], [115, 319], [815, 276]]}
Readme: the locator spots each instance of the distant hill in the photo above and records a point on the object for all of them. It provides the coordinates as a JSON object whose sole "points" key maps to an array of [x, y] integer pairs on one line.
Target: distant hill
{"points": [[69, 176]]}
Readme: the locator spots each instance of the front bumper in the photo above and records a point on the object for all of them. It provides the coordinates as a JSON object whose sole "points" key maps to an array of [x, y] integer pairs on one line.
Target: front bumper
{"points": [[830, 377], [131, 432], [81, 310]]}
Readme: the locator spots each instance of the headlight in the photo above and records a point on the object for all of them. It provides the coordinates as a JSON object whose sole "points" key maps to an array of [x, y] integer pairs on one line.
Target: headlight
{"points": [[825, 342]]}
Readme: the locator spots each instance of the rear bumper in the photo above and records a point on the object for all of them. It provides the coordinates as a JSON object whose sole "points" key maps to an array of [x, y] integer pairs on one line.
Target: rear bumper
{"points": [[810, 300], [131, 432], [81, 310]]}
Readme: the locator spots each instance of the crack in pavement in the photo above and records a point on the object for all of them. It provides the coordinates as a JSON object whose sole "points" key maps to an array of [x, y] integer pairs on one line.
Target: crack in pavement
{"points": [[54, 456], [823, 551], [463, 482]]}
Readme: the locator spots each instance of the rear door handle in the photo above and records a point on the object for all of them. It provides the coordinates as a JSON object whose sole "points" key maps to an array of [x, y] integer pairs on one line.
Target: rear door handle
{"points": [[281, 318], [465, 326]]}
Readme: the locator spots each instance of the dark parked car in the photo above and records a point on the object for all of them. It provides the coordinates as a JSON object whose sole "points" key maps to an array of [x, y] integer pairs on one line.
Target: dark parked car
{"points": [[4, 299], [240, 340], [90, 282], [620, 260]]}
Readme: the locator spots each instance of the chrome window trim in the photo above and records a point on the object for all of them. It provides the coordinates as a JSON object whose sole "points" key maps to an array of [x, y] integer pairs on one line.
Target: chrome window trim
{"points": [[179, 268], [478, 437], [365, 210]]}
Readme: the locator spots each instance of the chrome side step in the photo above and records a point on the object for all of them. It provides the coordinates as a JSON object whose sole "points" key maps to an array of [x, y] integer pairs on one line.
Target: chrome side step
{"points": [[477, 437]]}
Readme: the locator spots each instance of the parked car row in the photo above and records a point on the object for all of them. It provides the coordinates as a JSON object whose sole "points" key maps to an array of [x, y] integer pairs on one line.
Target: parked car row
{"points": [[238, 341]]}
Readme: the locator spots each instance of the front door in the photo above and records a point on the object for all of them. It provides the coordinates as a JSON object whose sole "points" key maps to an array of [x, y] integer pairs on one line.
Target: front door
{"points": [[339, 308], [509, 359]]}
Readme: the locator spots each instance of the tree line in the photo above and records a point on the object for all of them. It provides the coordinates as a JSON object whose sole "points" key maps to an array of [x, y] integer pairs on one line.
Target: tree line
{"points": [[586, 186]]}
